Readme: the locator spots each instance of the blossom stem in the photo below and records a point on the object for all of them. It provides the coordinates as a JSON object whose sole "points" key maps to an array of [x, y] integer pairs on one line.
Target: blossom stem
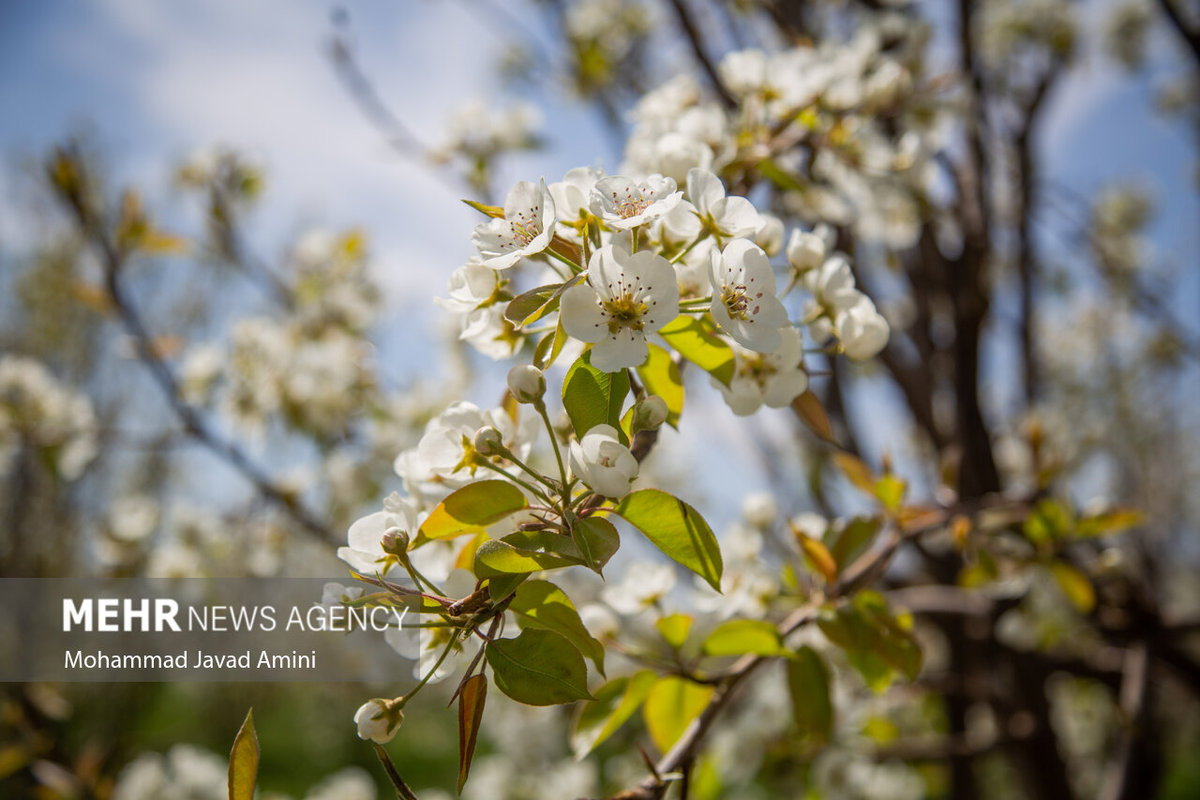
{"points": [[445, 653], [575, 268], [562, 472], [698, 303], [678, 256], [525, 484]]}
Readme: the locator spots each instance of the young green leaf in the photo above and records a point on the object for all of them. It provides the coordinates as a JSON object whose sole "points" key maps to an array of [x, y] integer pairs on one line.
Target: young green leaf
{"points": [[853, 540], [808, 683], [470, 713], [808, 407], [676, 529], [817, 555], [243, 761], [542, 605], [597, 541], [660, 376], [739, 636], [1075, 585], [698, 342], [529, 307], [496, 557], [671, 705], [472, 508], [674, 629], [592, 397], [538, 668], [616, 701]]}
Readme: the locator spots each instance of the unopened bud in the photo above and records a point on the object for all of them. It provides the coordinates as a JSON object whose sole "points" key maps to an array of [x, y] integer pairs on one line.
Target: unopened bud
{"points": [[527, 383], [649, 413], [805, 251], [395, 542], [378, 719], [489, 442]]}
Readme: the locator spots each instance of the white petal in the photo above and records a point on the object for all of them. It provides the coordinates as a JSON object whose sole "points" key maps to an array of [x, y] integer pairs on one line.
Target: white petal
{"points": [[625, 348], [704, 189], [580, 314]]}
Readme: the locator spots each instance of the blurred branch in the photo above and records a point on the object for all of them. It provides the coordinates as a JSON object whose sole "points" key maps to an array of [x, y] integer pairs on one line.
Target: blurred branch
{"points": [[112, 261], [688, 24], [362, 91], [1189, 33]]}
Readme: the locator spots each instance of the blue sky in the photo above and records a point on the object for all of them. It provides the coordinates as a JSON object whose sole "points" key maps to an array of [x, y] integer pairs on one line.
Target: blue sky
{"points": [[154, 81]]}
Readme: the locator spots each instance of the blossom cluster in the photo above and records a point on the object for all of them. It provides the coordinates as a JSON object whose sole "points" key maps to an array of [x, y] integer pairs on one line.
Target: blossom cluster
{"points": [[38, 410]]}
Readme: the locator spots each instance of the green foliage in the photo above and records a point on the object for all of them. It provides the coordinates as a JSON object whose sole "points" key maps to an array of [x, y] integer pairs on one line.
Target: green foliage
{"points": [[671, 705], [740, 636], [676, 529], [808, 686], [674, 629], [473, 507], [660, 375], [592, 397], [597, 541], [876, 643], [696, 340], [615, 702], [542, 605], [538, 668]]}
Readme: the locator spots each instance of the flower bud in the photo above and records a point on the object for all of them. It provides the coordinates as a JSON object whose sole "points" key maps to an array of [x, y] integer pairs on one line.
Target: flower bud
{"points": [[395, 542], [527, 383], [489, 442], [805, 251], [649, 413], [769, 235], [379, 719]]}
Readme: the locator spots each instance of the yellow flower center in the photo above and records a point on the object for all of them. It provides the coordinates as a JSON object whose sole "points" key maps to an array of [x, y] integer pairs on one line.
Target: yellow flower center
{"points": [[624, 312]]}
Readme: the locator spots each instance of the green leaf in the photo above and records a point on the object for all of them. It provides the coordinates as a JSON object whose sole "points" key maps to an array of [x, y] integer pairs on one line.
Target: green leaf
{"points": [[660, 376], [616, 701], [501, 586], [592, 397], [853, 540], [596, 539], [1050, 520], [491, 211], [696, 340], [538, 668], [808, 684], [779, 176], [675, 528], [529, 307], [472, 508], [470, 711], [497, 557], [670, 707], [674, 629], [740, 636], [856, 471], [542, 605], [547, 350], [243, 761], [1075, 585], [889, 490], [875, 641], [1112, 521]]}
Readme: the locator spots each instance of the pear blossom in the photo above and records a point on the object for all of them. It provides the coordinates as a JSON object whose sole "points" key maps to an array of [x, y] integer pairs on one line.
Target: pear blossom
{"points": [[434, 466], [861, 329], [527, 383], [805, 251], [602, 462], [625, 297], [774, 379], [769, 234], [744, 303], [624, 203], [645, 585], [572, 195], [833, 285], [725, 216], [525, 229], [378, 720], [365, 552]]}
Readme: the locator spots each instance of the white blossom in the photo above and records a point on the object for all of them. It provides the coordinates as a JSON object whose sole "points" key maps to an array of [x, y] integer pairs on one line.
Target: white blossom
{"points": [[525, 229], [726, 216], [625, 297], [624, 203], [861, 329], [378, 720], [744, 303], [774, 379], [603, 463], [364, 552]]}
